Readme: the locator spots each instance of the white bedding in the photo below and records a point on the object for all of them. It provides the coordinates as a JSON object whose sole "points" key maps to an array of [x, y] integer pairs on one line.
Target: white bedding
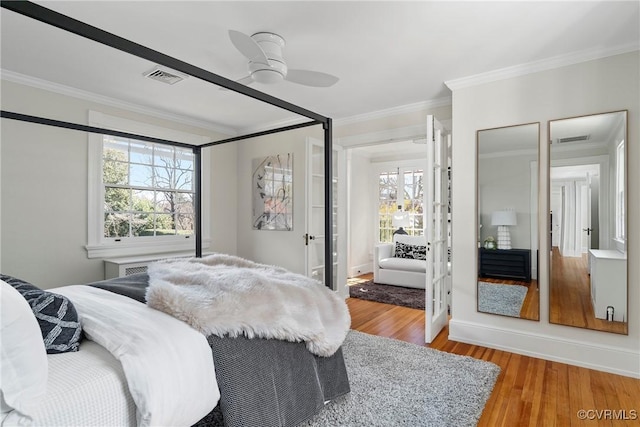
{"points": [[84, 388], [168, 365]]}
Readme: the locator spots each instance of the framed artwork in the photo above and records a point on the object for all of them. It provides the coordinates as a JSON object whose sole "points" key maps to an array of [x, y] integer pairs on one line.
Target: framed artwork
{"points": [[272, 183]]}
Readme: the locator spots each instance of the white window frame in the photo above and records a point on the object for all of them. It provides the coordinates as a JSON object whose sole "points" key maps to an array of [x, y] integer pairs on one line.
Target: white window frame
{"points": [[402, 166], [99, 246]]}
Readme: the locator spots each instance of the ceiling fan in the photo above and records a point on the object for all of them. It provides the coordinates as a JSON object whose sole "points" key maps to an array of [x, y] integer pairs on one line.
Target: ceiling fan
{"points": [[266, 64]]}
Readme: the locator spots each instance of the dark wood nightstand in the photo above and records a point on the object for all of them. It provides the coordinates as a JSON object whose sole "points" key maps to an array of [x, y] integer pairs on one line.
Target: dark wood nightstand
{"points": [[505, 263]]}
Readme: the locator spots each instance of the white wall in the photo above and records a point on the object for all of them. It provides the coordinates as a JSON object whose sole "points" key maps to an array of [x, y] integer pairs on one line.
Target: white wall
{"points": [[505, 183], [283, 248], [362, 210], [603, 85], [44, 188]]}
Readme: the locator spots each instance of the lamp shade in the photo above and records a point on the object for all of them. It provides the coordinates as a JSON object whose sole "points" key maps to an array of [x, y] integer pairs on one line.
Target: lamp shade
{"points": [[400, 219], [503, 218]]}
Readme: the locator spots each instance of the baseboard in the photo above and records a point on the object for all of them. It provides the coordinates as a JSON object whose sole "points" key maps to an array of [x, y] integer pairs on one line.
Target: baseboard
{"points": [[361, 269], [620, 361]]}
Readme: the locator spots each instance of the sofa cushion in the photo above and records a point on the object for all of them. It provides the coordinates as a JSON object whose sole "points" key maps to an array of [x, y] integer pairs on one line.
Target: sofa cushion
{"points": [[405, 264]]}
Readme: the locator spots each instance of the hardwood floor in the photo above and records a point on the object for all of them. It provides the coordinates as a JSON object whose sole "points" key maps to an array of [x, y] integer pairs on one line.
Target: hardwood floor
{"points": [[570, 295], [529, 391]]}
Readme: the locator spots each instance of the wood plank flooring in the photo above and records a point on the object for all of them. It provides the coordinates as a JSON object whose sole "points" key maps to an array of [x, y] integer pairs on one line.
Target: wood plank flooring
{"points": [[529, 391], [570, 295]]}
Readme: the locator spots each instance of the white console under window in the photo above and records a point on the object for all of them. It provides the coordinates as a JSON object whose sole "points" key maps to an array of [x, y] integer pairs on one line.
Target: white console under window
{"points": [[126, 266]]}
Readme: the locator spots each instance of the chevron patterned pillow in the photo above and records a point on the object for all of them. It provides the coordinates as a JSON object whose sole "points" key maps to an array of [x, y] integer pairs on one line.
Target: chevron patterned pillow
{"points": [[56, 315]]}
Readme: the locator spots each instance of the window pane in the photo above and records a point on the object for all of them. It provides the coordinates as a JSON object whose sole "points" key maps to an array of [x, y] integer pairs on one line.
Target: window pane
{"points": [[117, 199], [113, 149], [141, 152], [115, 172], [165, 225], [141, 224], [184, 179], [143, 201], [139, 175], [166, 201], [116, 225], [164, 177], [163, 156], [184, 224], [184, 159]]}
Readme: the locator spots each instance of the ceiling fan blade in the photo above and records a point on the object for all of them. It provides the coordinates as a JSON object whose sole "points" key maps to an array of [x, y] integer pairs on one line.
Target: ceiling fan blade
{"points": [[311, 78], [248, 47], [245, 81]]}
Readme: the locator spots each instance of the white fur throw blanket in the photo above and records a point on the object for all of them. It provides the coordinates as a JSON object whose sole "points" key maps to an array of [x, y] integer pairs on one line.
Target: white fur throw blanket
{"points": [[227, 295]]}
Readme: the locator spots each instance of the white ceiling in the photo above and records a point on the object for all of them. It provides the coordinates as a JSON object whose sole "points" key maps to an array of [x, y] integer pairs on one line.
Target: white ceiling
{"points": [[386, 54]]}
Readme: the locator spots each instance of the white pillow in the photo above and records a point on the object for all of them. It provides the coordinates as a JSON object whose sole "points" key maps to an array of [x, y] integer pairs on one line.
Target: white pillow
{"points": [[23, 358]]}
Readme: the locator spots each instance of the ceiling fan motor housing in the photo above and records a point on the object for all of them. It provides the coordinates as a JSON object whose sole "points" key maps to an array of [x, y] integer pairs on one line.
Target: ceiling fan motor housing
{"points": [[276, 69]]}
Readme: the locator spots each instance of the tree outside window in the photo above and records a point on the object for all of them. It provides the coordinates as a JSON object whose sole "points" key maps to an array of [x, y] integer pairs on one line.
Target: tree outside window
{"points": [[148, 189]]}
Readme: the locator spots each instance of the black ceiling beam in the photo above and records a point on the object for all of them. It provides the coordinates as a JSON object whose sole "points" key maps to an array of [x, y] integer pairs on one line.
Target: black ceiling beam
{"points": [[261, 133], [80, 28]]}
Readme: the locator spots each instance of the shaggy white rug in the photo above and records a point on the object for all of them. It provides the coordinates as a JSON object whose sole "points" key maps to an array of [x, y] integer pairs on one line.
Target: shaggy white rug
{"points": [[227, 295], [395, 383]]}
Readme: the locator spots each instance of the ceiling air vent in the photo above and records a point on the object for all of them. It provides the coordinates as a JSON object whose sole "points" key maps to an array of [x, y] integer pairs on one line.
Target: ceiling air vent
{"points": [[165, 75], [572, 139]]}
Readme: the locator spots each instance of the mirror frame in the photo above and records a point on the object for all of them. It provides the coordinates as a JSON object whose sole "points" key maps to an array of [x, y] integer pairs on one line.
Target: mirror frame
{"points": [[537, 221], [547, 222]]}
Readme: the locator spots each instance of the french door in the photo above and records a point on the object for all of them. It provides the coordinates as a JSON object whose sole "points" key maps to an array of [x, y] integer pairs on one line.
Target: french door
{"points": [[315, 238], [436, 203]]}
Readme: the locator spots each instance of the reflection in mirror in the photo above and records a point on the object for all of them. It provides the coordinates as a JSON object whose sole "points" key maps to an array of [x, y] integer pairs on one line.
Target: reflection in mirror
{"points": [[508, 221], [588, 278]]}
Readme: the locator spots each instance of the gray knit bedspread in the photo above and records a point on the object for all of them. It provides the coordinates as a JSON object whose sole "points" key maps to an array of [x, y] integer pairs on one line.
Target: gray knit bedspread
{"points": [[263, 382]]}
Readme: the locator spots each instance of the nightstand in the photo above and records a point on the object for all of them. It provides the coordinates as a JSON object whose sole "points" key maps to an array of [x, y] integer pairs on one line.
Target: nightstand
{"points": [[505, 263]]}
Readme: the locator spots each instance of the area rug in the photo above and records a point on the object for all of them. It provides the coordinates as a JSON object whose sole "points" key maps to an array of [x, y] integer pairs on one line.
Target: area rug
{"points": [[395, 383], [406, 297], [502, 299]]}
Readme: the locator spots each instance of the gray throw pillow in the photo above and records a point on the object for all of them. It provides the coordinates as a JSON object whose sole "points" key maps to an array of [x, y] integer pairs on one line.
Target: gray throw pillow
{"points": [[56, 315]]}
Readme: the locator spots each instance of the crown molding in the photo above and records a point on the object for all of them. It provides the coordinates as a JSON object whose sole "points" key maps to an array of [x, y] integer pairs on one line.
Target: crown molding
{"points": [[112, 102], [394, 111], [538, 66]]}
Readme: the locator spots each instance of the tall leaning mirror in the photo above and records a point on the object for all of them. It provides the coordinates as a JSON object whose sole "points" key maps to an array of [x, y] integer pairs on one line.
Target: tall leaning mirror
{"points": [[587, 179], [507, 212]]}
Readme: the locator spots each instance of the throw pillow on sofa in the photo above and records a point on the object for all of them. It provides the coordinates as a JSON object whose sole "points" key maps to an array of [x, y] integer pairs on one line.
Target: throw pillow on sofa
{"points": [[404, 250]]}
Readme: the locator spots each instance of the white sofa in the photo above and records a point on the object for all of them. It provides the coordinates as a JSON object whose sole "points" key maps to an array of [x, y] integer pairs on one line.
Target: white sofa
{"points": [[390, 270]]}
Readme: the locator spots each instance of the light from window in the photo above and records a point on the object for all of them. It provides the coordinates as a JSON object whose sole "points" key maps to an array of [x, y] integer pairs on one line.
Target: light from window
{"points": [[406, 192], [620, 211], [388, 204], [413, 201], [148, 189]]}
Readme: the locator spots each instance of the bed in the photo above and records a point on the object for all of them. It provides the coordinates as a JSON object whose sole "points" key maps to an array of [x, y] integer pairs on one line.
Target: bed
{"points": [[279, 371], [269, 366], [140, 366]]}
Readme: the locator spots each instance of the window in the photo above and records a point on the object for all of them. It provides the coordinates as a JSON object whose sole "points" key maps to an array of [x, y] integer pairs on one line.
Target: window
{"points": [[148, 189], [402, 187], [141, 194], [620, 217]]}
